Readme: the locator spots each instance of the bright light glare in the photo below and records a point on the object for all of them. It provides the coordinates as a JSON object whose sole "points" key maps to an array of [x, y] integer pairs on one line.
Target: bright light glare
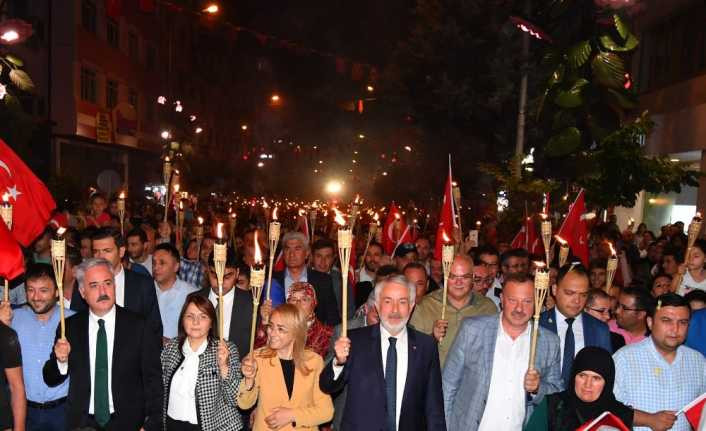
{"points": [[212, 8], [334, 187], [10, 36]]}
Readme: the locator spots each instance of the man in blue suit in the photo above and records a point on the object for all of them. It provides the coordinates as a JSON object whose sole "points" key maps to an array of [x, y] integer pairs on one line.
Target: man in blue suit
{"points": [[391, 371], [487, 382], [576, 329]]}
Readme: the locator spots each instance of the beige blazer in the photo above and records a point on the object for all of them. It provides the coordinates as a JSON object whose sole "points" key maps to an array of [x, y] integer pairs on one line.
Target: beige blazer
{"points": [[311, 406]]}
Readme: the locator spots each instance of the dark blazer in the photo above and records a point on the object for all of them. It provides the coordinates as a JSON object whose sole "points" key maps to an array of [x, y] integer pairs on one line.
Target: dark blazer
{"points": [[595, 332], [363, 377], [327, 308], [240, 319], [140, 297], [136, 372]]}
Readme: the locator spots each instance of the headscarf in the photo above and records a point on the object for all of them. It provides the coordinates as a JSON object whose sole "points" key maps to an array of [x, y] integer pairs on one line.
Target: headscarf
{"points": [[599, 361], [305, 288]]}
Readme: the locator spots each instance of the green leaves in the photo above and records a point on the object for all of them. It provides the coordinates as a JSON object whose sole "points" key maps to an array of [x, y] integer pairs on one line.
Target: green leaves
{"points": [[21, 80], [608, 43], [578, 54], [14, 60], [564, 143], [621, 26], [608, 69], [572, 97]]}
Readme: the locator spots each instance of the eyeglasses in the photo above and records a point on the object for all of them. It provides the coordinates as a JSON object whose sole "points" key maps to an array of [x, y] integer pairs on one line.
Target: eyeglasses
{"points": [[468, 276], [600, 310]]}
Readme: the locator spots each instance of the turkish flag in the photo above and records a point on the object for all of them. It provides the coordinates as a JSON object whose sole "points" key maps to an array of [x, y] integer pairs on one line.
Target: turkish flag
{"points": [[574, 231], [31, 201], [395, 230], [447, 219], [114, 8], [11, 260], [606, 421], [527, 238], [694, 413]]}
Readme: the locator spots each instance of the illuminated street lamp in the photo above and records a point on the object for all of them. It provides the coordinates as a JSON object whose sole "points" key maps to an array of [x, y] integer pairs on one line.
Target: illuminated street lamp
{"points": [[211, 9], [14, 31], [244, 127], [334, 187]]}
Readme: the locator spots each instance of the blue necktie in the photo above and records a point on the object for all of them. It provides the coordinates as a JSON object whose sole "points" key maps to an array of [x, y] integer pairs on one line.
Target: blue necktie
{"points": [[568, 353], [391, 385]]}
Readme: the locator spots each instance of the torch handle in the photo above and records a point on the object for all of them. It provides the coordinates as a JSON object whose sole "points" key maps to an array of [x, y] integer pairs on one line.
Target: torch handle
{"points": [[365, 252], [6, 291], [220, 310], [344, 304], [533, 342], [269, 274], [443, 300], [62, 321], [253, 325]]}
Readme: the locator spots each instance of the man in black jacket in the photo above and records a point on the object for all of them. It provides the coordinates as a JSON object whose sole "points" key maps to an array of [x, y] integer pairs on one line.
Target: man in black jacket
{"points": [[295, 249], [111, 356], [133, 291]]}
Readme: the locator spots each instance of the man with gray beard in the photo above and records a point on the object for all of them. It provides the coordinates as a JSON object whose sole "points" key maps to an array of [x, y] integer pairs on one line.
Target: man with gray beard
{"points": [[378, 364]]}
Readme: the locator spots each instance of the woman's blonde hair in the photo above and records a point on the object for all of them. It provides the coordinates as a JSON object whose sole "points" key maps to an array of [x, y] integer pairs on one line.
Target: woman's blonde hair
{"points": [[296, 323]]}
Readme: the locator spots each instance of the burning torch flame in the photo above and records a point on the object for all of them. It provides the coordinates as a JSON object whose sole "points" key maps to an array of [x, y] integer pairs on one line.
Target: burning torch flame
{"points": [[339, 217], [264, 204], [60, 231], [376, 217], [176, 188], [612, 250], [539, 264], [5, 198], [301, 212], [357, 198], [219, 230], [122, 195], [561, 240], [697, 217], [445, 237], [274, 213], [397, 216], [181, 205], [200, 220], [258, 253]]}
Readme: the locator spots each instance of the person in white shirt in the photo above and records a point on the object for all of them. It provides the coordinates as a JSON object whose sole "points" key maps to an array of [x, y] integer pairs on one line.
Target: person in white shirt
{"points": [[405, 394], [197, 397], [487, 382], [137, 246], [111, 357], [171, 291]]}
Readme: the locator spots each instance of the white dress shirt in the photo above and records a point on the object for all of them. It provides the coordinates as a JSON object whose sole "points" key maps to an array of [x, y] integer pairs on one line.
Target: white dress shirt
{"points": [[120, 287], [562, 326], [109, 319], [182, 392], [227, 308], [170, 302], [402, 348], [505, 407], [363, 275]]}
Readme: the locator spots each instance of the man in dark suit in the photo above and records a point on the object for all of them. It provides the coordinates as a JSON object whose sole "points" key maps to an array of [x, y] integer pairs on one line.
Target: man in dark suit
{"points": [[295, 249], [111, 356], [576, 328], [133, 291], [237, 314], [391, 371]]}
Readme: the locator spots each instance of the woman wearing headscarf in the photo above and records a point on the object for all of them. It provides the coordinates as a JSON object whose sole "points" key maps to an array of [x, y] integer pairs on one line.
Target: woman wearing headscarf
{"points": [[589, 395], [318, 335]]}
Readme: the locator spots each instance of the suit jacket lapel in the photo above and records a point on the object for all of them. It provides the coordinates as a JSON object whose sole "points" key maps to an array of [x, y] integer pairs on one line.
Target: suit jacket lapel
{"points": [[588, 332], [489, 352], [81, 345], [122, 329]]}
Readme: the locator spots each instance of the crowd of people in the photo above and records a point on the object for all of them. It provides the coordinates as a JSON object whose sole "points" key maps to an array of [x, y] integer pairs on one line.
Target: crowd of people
{"points": [[143, 346]]}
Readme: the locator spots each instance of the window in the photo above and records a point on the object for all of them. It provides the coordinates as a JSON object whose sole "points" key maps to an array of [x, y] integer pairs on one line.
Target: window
{"points": [[132, 98], [88, 84], [113, 33], [111, 94], [132, 47], [88, 15]]}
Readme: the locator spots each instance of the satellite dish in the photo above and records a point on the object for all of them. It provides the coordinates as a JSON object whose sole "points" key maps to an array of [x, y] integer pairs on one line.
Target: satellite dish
{"points": [[108, 181]]}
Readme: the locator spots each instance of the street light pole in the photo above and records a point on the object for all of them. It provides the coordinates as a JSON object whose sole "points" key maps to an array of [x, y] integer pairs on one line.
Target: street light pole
{"points": [[522, 106]]}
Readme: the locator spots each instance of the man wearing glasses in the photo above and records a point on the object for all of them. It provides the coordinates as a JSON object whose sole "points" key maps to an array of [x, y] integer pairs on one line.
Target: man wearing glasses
{"points": [[598, 306], [462, 302], [488, 257], [634, 305]]}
